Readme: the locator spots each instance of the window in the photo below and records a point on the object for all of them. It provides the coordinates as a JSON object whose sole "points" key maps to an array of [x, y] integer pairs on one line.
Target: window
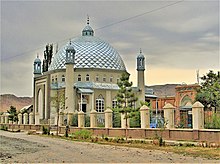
{"points": [[117, 80], [111, 79], [114, 103], [104, 78], [97, 78], [63, 78], [87, 77], [100, 104], [56, 79], [79, 78]]}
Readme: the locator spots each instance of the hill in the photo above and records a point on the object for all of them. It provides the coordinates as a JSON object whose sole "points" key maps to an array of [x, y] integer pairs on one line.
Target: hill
{"points": [[8, 100]]}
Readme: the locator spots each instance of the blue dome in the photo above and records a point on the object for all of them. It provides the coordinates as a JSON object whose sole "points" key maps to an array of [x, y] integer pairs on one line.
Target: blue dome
{"points": [[90, 52]]}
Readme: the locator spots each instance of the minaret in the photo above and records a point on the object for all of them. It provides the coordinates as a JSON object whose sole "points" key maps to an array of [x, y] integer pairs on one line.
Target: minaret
{"points": [[37, 67], [69, 92], [140, 82]]}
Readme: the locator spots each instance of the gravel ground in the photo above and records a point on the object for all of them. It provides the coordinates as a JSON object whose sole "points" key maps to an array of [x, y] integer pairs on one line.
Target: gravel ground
{"points": [[22, 148]]}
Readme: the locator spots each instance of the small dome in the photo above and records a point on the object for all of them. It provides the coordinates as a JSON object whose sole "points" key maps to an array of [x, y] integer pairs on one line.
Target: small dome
{"points": [[140, 55], [87, 31], [37, 60], [70, 47]]}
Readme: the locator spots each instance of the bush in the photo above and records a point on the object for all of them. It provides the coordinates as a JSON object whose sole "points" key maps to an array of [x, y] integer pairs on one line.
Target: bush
{"points": [[214, 123], [87, 121], [4, 127], [45, 130], [74, 121], [82, 134]]}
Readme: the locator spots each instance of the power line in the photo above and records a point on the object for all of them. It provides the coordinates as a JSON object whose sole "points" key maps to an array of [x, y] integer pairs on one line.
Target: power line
{"points": [[139, 15], [106, 26]]}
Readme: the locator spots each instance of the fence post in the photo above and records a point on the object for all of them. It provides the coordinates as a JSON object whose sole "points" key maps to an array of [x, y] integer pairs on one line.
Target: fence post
{"points": [[198, 115], [81, 119], [123, 121], [6, 118], [145, 117], [31, 118], [108, 118], [93, 118], [25, 118], [37, 119], [169, 115], [61, 118], [19, 119]]}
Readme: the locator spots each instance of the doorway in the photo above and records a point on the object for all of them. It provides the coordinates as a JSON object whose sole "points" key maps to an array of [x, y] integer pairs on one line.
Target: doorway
{"points": [[84, 108]]}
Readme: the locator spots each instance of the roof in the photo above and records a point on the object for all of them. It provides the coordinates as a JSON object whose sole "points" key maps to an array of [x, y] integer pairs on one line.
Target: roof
{"points": [[88, 91], [91, 52]]}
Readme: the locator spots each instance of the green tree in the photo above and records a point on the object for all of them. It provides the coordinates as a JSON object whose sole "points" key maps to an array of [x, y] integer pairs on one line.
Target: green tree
{"points": [[58, 101], [209, 93], [126, 99], [13, 115]]}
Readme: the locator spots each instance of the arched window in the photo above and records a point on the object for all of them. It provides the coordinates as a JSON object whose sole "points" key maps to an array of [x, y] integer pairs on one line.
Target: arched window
{"points": [[118, 80], [63, 78], [97, 78], [87, 77], [79, 78], [111, 79], [56, 78], [100, 104], [104, 78]]}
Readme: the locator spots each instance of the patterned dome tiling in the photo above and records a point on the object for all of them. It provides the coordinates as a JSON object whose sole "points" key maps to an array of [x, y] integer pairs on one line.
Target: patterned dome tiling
{"points": [[91, 52]]}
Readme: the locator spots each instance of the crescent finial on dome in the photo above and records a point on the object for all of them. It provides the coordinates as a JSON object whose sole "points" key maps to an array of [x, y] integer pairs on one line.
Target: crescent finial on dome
{"points": [[87, 19]]}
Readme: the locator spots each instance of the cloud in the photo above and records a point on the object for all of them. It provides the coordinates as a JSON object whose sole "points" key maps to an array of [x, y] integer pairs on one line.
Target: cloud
{"points": [[177, 39]]}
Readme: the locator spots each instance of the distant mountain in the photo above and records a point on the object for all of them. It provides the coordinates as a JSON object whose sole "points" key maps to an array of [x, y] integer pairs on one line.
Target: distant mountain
{"points": [[164, 90], [8, 100]]}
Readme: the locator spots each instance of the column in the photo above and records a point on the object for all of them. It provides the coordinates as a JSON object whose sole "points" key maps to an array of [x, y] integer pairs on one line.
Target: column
{"points": [[169, 115], [198, 115], [31, 118], [81, 119], [6, 118], [61, 118], [93, 118], [19, 119], [69, 118], [25, 118], [37, 119], [1, 119], [145, 116], [123, 121], [108, 118]]}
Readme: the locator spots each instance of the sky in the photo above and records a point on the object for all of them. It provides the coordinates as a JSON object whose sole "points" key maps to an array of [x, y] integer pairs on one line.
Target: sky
{"points": [[176, 39]]}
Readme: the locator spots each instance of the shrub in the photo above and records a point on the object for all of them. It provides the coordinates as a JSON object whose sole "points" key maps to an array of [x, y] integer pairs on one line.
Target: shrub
{"points": [[82, 134], [74, 121], [4, 127], [45, 130]]}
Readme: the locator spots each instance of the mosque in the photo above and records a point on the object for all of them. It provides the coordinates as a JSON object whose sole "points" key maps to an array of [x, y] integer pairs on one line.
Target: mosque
{"points": [[87, 70]]}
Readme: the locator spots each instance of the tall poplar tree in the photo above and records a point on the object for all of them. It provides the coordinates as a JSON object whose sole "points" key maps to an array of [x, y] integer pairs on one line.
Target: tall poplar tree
{"points": [[126, 99]]}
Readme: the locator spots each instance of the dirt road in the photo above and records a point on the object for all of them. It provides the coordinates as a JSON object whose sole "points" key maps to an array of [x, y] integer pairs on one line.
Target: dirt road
{"points": [[19, 147]]}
